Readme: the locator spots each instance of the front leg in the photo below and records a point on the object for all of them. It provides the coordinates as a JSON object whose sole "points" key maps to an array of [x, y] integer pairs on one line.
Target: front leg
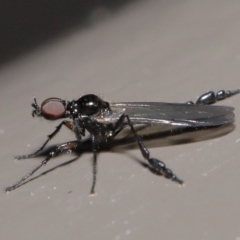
{"points": [[68, 124], [60, 148]]}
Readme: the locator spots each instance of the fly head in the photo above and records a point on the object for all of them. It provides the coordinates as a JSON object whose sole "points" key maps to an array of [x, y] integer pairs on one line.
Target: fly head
{"points": [[51, 109]]}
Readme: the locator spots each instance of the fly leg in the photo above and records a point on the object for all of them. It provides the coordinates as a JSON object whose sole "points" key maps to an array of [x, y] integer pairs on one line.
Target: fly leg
{"points": [[68, 124], [210, 97], [94, 149], [60, 148], [156, 165]]}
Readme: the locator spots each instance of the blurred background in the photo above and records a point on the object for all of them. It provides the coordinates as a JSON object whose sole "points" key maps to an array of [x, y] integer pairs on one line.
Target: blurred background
{"points": [[26, 25]]}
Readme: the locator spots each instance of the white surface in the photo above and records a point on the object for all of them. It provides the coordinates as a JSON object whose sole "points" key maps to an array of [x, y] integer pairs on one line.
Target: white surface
{"points": [[147, 51]]}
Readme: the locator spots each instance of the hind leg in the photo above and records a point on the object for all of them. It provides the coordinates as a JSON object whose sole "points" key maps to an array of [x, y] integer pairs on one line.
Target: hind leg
{"points": [[211, 97]]}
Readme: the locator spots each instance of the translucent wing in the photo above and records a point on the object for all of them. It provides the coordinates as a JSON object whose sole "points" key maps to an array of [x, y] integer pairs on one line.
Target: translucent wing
{"points": [[187, 115]]}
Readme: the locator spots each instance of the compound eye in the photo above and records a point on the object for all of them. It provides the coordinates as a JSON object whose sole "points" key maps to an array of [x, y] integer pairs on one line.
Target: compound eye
{"points": [[53, 108], [90, 104]]}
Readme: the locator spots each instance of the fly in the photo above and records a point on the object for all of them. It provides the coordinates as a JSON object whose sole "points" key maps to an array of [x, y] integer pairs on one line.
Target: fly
{"points": [[104, 121]]}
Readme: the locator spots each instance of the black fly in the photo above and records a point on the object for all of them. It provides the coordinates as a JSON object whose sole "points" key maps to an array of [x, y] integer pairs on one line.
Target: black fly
{"points": [[105, 120]]}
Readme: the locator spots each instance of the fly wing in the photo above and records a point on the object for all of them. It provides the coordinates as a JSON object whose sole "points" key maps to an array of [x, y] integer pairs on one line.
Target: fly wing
{"points": [[188, 115]]}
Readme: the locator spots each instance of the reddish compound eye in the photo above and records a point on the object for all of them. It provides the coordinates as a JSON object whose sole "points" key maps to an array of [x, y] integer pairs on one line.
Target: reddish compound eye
{"points": [[53, 108]]}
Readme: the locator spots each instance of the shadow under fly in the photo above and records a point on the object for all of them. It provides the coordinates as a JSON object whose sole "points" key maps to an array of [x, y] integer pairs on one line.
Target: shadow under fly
{"points": [[105, 121]]}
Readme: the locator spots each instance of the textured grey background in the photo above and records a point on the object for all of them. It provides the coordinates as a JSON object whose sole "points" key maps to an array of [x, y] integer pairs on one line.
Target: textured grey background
{"points": [[168, 51]]}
